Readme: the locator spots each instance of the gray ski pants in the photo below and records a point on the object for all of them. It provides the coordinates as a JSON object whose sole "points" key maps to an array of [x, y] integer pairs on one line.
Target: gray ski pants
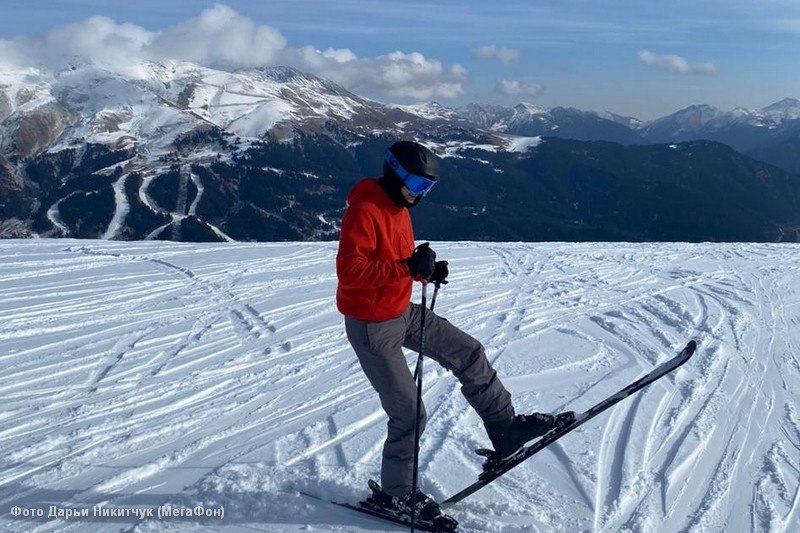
{"points": [[378, 346]]}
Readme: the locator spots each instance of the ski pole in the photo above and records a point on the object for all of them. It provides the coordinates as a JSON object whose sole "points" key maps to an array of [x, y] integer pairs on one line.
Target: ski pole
{"points": [[418, 373], [433, 303], [436, 285]]}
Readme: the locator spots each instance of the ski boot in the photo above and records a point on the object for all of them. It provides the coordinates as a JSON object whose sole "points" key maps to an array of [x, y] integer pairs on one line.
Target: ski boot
{"points": [[428, 514], [509, 435]]}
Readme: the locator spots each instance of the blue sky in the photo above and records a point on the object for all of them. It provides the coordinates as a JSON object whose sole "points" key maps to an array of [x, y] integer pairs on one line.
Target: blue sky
{"points": [[644, 59]]}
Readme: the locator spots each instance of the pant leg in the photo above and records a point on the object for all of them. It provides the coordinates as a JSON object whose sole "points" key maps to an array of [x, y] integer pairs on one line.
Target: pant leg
{"points": [[465, 357], [378, 346]]}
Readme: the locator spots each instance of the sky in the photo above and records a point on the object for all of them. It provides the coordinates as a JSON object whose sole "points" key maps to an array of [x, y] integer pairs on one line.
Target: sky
{"points": [[634, 58]]}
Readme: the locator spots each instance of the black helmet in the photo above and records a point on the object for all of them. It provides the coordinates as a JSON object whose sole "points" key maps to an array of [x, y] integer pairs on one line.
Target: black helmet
{"points": [[411, 165], [414, 158]]}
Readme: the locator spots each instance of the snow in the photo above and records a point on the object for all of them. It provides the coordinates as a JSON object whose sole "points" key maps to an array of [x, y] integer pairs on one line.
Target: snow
{"points": [[427, 111], [521, 144], [121, 209], [252, 121], [25, 88], [220, 233], [143, 196], [200, 190], [532, 109], [139, 374], [54, 216], [454, 148]]}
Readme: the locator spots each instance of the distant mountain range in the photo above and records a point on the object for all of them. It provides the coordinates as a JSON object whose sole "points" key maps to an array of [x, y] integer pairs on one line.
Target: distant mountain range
{"points": [[183, 152], [563, 122], [771, 134]]}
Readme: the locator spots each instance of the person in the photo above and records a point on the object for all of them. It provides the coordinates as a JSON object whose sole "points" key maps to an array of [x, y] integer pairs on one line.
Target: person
{"points": [[376, 266]]}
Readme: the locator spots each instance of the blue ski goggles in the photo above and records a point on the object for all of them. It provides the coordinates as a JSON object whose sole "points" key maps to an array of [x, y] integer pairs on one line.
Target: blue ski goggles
{"points": [[414, 183]]}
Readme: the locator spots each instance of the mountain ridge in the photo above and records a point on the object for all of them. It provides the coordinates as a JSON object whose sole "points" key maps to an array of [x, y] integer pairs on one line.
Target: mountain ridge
{"points": [[269, 153]]}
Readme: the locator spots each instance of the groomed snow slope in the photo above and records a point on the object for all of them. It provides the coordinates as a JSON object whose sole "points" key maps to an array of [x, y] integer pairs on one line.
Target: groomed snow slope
{"points": [[138, 374]]}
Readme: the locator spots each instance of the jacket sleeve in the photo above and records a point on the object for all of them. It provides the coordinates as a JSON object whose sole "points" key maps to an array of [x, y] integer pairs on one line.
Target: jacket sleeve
{"points": [[355, 266]]}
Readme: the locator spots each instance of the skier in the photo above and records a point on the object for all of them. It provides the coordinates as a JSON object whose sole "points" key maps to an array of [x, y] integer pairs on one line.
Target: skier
{"points": [[376, 265]]}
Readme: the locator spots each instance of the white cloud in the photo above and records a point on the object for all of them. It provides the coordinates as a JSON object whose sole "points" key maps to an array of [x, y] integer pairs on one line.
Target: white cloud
{"points": [[343, 55], [514, 87], [674, 63], [99, 40], [219, 37], [504, 55], [222, 38], [408, 75]]}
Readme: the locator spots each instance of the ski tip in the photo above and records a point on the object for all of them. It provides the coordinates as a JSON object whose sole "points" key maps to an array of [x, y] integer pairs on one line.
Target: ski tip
{"points": [[690, 347]]}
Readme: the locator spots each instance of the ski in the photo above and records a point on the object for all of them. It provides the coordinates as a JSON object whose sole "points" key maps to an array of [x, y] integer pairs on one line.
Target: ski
{"points": [[494, 469], [421, 525]]}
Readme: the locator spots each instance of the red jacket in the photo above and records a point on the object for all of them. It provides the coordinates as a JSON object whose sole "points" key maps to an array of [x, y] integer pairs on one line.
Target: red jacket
{"points": [[374, 284]]}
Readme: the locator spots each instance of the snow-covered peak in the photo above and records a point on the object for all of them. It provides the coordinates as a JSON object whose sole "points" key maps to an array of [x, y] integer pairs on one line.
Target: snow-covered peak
{"points": [[527, 116], [530, 109], [428, 111], [529, 120], [698, 115], [786, 103], [709, 118], [742, 115], [741, 112], [786, 109], [687, 120], [487, 116]]}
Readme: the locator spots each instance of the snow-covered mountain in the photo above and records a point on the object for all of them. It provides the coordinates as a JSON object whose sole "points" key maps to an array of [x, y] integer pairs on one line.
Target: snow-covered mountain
{"points": [[151, 106], [429, 111], [786, 109], [178, 151], [136, 375], [566, 122], [490, 117], [86, 137], [742, 128]]}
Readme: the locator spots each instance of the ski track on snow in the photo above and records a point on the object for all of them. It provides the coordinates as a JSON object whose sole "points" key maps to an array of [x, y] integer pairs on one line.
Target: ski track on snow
{"points": [[136, 374]]}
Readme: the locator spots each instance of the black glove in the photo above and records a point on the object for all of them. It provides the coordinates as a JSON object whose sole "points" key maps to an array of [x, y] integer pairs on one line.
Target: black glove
{"points": [[440, 273], [422, 262]]}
